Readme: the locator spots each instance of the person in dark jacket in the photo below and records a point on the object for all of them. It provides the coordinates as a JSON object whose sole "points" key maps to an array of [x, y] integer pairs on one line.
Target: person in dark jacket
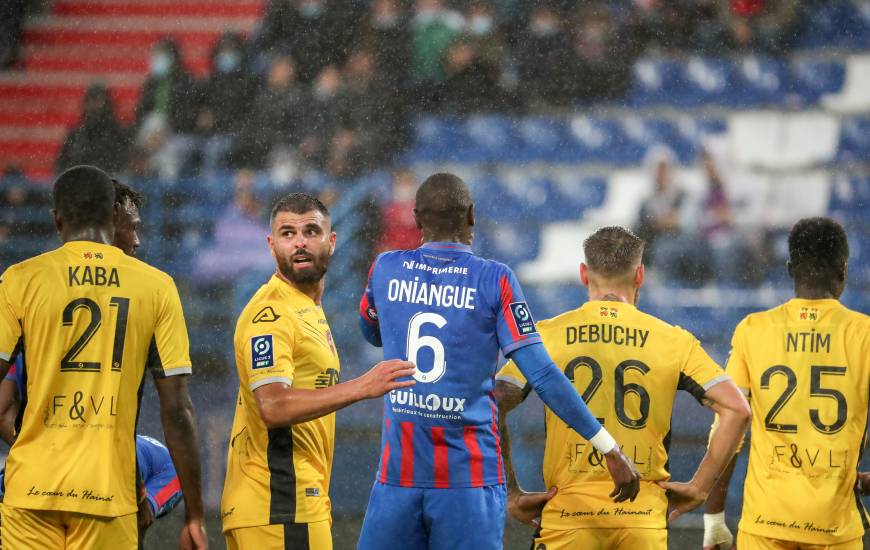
{"points": [[169, 92], [98, 139]]}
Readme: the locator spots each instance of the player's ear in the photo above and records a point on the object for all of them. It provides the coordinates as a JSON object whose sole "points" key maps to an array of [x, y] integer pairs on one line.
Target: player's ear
{"points": [[584, 274], [788, 267], [332, 238], [471, 215], [271, 244], [58, 221], [417, 220], [639, 276]]}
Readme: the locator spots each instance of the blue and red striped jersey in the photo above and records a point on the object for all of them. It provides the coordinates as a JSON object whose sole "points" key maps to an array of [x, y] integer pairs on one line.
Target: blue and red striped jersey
{"points": [[451, 313]]}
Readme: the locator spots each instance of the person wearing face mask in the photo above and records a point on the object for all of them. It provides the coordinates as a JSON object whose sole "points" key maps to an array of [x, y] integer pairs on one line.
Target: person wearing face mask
{"points": [[99, 139], [543, 48], [434, 27], [226, 99], [385, 33], [167, 90]]}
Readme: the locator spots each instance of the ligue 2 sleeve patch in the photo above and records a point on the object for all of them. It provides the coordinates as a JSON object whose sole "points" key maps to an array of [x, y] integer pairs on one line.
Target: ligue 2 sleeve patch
{"points": [[262, 354], [522, 318]]}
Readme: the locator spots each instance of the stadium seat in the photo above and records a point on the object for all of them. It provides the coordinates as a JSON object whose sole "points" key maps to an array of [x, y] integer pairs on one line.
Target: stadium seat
{"points": [[812, 78], [434, 139], [854, 140], [655, 81], [853, 97], [486, 139], [707, 80], [598, 140], [762, 81], [573, 195], [542, 139]]}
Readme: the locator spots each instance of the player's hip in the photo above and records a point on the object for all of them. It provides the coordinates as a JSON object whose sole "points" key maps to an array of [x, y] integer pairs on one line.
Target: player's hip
{"points": [[601, 539], [282, 536]]}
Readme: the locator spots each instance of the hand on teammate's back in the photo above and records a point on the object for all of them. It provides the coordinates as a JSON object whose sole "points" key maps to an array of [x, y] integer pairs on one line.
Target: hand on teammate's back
{"points": [[528, 507], [384, 376], [625, 476], [682, 498], [193, 536]]}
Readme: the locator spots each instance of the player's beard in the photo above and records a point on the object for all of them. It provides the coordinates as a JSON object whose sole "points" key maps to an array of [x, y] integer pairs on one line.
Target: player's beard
{"points": [[308, 275]]}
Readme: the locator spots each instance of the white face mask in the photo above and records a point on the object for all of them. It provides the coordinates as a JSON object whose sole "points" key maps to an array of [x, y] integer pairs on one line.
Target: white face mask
{"points": [[311, 9], [161, 63], [480, 25], [228, 61]]}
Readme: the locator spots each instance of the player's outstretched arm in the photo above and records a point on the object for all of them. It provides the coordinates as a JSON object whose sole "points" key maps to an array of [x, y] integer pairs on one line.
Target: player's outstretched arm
{"points": [[522, 506], [728, 402], [281, 405], [9, 404], [560, 396], [179, 428]]}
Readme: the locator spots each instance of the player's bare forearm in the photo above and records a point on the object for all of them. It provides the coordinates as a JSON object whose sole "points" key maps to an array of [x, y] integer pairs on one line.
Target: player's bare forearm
{"points": [[281, 405], [508, 396], [179, 428], [8, 410], [719, 493], [729, 403]]}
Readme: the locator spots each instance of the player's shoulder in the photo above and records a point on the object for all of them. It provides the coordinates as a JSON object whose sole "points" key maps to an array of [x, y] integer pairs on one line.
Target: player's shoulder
{"points": [[268, 306], [767, 317], [147, 271], [25, 268]]}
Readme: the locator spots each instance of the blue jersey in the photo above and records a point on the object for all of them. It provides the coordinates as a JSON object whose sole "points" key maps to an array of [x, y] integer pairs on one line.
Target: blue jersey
{"points": [[156, 470], [451, 313]]}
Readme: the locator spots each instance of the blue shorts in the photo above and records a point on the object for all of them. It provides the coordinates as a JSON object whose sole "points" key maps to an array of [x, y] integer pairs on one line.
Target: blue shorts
{"points": [[414, 518]]}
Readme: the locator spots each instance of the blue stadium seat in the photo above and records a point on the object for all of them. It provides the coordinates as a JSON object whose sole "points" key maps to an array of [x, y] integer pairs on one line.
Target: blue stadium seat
{"points": [[812, 78], [655, 81], [569, 198], [642, 133], [835, 23], [542, 139], [854, 140], [762, 81], [692, 132], [707, 80], [598, 140], [434, 139], [487, 139]]}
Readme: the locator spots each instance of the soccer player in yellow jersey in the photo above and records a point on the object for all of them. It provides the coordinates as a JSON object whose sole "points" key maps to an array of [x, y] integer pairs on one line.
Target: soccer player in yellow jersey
{"points": [[89, 320], [628, 366], [276, 492], [805, 366]]}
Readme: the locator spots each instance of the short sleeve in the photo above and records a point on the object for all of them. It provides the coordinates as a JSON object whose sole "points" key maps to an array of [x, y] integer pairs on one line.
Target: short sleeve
{"points": [[699, 372], [515, 326], [10, 321], [267, 351], [169, 353], [511, 374], [737, 366], [368, 311]]}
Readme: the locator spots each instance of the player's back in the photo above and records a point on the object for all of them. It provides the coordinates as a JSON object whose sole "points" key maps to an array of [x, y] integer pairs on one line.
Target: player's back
{"points": [[450, 312], [90, 318], [628, 366], [807, 367]]}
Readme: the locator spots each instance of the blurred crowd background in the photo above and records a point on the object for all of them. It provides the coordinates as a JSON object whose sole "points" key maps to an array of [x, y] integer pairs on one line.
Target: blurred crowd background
{"points": [[708, 126]]}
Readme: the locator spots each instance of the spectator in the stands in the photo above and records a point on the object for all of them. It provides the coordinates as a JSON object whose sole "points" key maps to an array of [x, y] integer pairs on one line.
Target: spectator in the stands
{"points": [[98, 139], [169, 91], [226, 98], [239, 233], [316, 33], [472, 82], [322, 116], [386, 33], [602, 59], [657, 25], [710, 34], [660, 218], [11, 22], [370, 123], [272, 126], [398, 227], [768, 26], [433, 28], [543, 47]]}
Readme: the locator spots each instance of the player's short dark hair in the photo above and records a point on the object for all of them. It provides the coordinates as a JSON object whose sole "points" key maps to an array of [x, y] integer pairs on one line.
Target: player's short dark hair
{"points": [[818, 251], [442, 203], [613, 251], [124, 193], [84, 196], [298, 203]]}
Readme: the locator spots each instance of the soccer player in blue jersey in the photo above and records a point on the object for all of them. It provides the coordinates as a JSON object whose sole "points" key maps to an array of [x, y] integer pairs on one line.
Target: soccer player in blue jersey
{"points": [[440, 481]]}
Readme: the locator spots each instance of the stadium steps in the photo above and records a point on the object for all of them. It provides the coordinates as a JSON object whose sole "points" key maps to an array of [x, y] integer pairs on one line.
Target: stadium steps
{"points": [[79, 42]]}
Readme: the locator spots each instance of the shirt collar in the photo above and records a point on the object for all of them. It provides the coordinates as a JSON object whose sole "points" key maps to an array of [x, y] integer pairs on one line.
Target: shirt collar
{"points": [[443, 246]]}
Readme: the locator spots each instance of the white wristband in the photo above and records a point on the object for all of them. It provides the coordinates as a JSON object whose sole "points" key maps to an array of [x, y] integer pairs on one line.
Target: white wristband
{"points": [[603, 441], [716, 531]]}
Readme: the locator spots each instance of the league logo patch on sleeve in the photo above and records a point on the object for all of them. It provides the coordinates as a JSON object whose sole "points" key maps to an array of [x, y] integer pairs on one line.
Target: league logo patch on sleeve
{"points": [[522, 318], [262, 355]]}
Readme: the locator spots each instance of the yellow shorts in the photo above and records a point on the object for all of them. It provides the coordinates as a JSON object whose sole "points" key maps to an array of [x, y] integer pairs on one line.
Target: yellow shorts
{"points": [[50, 529], [602, 539], [282, 536], [748, 541]]}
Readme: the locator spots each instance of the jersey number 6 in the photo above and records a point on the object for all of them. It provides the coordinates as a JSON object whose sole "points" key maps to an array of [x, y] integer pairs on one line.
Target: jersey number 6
{"points": [[415, 342]]}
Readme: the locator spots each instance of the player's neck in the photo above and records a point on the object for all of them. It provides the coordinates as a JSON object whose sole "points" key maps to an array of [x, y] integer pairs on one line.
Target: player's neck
{"points": [[462, 238], [93, 234], [312, 290], [812, 293], [611, 295]]}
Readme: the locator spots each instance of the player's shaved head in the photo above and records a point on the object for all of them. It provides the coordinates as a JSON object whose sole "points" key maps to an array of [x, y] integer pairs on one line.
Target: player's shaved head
{"points": [[613, 252], [818, 253], [84, 197], [443, 206]]}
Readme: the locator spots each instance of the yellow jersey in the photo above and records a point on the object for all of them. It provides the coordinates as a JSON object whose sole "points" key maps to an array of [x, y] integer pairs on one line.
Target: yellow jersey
{"points": [[89, 319], [806, 365], [627, 365], [280, 475]]}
